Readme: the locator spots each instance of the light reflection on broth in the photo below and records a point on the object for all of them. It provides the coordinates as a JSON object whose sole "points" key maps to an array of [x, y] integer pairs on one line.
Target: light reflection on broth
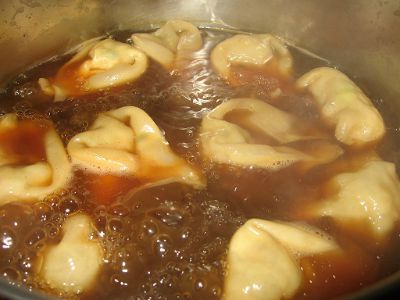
{"points": [[170, 241]]}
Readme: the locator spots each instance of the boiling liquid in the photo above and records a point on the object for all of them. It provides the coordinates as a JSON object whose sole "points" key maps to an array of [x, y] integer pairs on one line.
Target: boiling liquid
{"points": [[170, 242]]}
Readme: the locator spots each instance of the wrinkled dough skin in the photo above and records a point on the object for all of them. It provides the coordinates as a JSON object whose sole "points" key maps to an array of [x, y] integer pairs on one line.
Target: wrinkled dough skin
{"points": [[250, 51], [370, 195], [225, 142], [35, 181], [72, 265], [344, 106], [262, 259], [298, 238], [98, 65], [126, 141], [167, 44]]}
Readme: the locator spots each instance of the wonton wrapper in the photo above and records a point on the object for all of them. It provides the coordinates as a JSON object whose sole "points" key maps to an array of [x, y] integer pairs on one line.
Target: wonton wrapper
{"points": [[255, 50], [35, 181], [370, 194], [168, 44], [72, 265], [225, 142], [98, 65], [344, 106], [262, 259], [126, 141]]}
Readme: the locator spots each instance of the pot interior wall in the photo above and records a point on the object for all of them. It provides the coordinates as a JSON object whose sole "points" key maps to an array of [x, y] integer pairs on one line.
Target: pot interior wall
{"points": [[361, 36]]}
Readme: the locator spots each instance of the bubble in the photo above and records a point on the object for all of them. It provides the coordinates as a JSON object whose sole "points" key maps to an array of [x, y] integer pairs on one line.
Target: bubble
{"points": [[10, 273], [200, 284], [27, 260], [115, 225], [68, 206], [17, 215], [149, 228], [216, 291], [185, 233], [35, 236], [100, 210], [167, 280], [52, 230], [39, 245], [8, 238], [162, 245], [171, 218], [57, 218], [101, 222], [117, 280], [119, 210], [42, 211]]}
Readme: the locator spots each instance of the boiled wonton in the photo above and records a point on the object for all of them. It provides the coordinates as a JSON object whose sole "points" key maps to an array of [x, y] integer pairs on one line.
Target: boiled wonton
{"points": [[72, 265], [263, 259], [252, 51], [24, 182], [98, 65], [127, 142], [172, 42], [344, 106], [370, 195], [225, 142]]}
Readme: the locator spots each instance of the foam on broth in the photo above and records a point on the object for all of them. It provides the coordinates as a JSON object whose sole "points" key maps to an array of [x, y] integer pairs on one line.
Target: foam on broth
{"points": [[170, 241]]}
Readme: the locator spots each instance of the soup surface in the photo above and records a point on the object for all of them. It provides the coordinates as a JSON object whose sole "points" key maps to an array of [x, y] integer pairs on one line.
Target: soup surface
{"points": [[170, 241]]}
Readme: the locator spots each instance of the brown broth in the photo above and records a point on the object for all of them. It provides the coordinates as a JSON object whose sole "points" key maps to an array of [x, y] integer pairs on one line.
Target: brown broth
{"points": [[170, 241], [24, 144]]}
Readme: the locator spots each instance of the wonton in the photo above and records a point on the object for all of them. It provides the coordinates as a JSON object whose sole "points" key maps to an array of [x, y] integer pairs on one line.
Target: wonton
{"points": [[263, 259], [98, 65], [226, 142], [72, 265], [127, 142], [370, 195], [172, 42], [344, 106], [252, 51], [34, 181]]}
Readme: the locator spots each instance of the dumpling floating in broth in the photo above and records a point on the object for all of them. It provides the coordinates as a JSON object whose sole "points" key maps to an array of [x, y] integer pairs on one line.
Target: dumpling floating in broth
{"points": [[370, 195], [344, 106], [263, 259], [23, 179], [127, 142], [72, 265], [98, 65], [146, 182], [251, 51], [174, 41], [225, 142]]}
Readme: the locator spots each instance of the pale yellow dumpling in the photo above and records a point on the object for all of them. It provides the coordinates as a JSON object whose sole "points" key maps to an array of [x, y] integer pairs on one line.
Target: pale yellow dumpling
{"points": [[98, 65], [225, 142], [127, 142], [370, 195], [253, 51], [344, 106], [37, 180], [72, 265], [174, 40], [263, 256]]}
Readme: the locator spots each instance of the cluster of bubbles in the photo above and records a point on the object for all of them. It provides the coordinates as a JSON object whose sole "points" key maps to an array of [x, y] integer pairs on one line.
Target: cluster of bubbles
{"points": [[25, 230], [166, 242]]}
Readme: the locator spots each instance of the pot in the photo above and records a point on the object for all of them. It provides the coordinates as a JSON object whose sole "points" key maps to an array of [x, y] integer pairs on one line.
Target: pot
{"points": [[361, 37]]}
